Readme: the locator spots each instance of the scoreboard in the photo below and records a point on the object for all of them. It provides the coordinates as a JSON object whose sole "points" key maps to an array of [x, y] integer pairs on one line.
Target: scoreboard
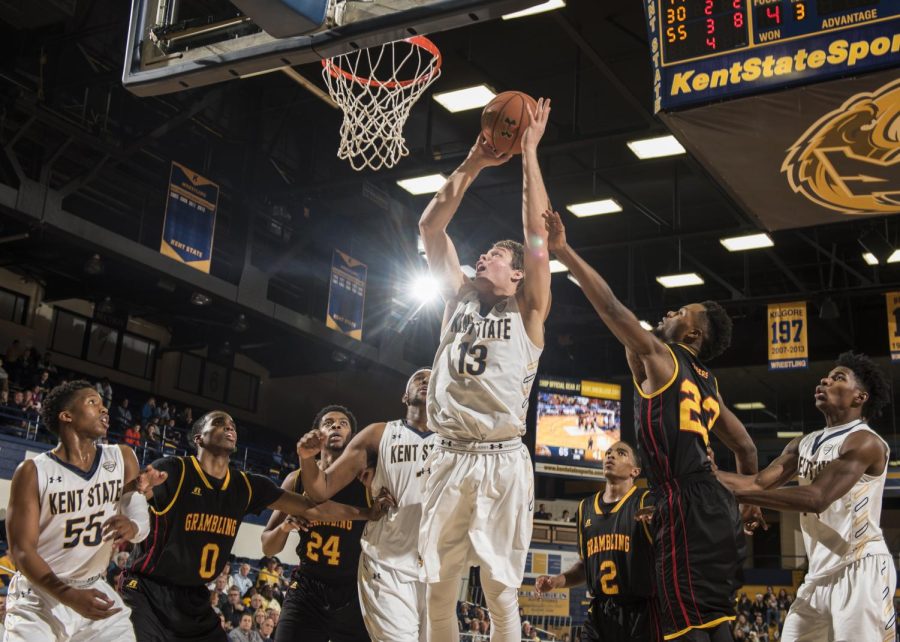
{"points": [[706, 50]]}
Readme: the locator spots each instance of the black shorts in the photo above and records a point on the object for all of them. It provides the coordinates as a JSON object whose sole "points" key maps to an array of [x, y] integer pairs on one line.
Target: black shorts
{"points": [[164, 613], [611, 622], [319, 611], [699, 549]]}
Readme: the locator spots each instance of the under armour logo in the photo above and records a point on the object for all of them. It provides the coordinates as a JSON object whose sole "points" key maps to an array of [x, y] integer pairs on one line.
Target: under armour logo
{"points": [[498, 446], [52, 479]]}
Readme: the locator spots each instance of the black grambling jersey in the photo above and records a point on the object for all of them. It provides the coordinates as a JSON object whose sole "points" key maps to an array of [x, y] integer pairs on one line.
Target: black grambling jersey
{"points": [[616, 548], [330, 550], [673, 423], [194, 520]]}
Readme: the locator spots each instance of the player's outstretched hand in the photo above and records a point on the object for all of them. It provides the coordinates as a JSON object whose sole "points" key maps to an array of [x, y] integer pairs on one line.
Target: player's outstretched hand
{"points": [[382, 503], [644, 514], [538, 125], [148, 479], [90, 603], [310, 444], [484, 155], [546, 583], [119, 529], [752, 518], [294, 523], [556, 231]]}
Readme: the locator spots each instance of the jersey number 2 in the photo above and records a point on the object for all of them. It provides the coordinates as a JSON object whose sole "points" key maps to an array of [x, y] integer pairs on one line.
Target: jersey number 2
{"points": [[331, 549], [690, 410], [607, 575]]}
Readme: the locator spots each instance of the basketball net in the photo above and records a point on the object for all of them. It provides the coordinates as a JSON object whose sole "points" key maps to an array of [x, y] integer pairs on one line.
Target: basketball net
{"points": [[375, 89]]}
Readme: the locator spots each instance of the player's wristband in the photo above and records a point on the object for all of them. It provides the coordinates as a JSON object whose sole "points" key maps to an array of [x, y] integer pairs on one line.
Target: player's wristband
{"points": [[135, 508]]}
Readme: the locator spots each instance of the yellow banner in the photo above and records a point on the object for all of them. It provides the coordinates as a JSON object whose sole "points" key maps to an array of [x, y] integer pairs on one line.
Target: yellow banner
{"points": [[893, 314], [555, 602], [601, 390], [788, 346]]}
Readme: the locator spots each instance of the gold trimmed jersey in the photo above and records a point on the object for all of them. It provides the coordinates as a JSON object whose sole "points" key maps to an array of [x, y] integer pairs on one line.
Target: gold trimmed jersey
{"points": [[194, 519], [330, 550], [616, 548], [673, 423], [74, 504]]}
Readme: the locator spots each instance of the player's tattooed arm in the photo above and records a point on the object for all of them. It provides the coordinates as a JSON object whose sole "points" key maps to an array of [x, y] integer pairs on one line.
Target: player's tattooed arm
{"points": [[574, 576], [321, 485], [23, 530], [648, 357], [861, 454]]}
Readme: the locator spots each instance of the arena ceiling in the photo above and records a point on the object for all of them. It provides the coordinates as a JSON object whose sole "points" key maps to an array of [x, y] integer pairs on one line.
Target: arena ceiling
{"points": [[75, 138]]}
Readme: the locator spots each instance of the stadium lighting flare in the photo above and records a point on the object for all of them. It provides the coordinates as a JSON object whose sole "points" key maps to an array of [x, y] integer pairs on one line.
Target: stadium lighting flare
{"points": [[656, 147], [557, 267], [679, 280], [749, 242], [549, 5], [869, 258], [465, 99], [595, 208], [423, 184], [425, 289], [750, 405], [789, 434]]}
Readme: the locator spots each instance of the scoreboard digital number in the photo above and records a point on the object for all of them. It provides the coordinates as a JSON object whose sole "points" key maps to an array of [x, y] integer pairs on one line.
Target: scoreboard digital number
{"points": [[706, 50]]}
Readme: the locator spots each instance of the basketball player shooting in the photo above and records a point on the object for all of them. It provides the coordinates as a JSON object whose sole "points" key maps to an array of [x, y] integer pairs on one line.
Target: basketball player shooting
{"points": [[848, 591], [699, 544], [67, 509], [479, 483], [391, 596]]}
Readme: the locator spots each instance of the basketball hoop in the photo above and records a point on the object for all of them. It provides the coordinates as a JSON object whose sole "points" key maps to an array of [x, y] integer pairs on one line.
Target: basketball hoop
{"points": [[376, 88]]}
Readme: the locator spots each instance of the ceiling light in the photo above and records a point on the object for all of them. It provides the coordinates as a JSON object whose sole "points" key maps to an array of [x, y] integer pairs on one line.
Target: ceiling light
{"points": [[750, 405], [679, 280], [869, 258], [573, 280], [875, 244], [549, 5], [198, 298], [94, 266], [646, 326], [749, 242], [425, 288], [464, 99], [894, 257], [595, 208], [240, 323], [423, 184], [556, 266], [789, 434], [656, 147]]}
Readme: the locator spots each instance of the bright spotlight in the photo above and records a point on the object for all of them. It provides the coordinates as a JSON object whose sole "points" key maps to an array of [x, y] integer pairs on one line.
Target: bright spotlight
{"points": [[425, 288]]}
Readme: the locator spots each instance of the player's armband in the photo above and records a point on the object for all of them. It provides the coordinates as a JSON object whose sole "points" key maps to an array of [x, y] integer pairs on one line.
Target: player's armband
{"points": [[135, 508]]}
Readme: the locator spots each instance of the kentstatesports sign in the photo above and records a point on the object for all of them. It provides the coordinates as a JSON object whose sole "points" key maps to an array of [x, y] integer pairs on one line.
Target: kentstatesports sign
{"points": [[708, 50]]}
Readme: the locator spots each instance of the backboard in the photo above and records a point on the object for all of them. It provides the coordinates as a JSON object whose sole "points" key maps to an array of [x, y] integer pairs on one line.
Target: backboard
{"points": [[176, 45]]}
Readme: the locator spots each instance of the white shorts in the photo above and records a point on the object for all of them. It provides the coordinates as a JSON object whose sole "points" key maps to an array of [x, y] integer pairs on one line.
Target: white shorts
{"points": [[393, 606], [855, 604], [32, 614], [477, 509]]}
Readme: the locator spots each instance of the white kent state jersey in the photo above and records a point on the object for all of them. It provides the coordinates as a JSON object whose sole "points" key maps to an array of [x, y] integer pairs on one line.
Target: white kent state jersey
{"points": [[482, 373], [393, 540], [849, 529], [74, 506]]}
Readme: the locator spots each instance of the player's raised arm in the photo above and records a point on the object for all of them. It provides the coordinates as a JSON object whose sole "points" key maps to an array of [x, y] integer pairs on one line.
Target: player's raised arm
{"points": [[621, 321], [861, 454], [321, 485], [439, 249], [535, 291], [280, 524], [23, 529]]}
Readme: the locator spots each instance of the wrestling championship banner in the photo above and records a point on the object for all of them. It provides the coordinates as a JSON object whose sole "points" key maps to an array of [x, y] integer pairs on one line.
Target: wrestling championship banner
{"points": [[347, 295], [788, 345], [190, 220]]}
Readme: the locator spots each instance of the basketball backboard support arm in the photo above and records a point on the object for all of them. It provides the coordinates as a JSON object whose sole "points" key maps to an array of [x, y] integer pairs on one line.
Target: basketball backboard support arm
{"points": [[154, 65]]}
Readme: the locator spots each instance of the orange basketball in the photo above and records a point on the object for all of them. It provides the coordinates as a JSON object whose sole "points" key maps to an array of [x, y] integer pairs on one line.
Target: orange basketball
{"points": [[504, 119]]}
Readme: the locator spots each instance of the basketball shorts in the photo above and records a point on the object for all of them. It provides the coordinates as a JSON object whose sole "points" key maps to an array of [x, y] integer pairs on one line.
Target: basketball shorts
{"points": [[608, 621], [32, 614], [315, 610], [699, 549], [165, 613], [477, 509], [854, 603], [393, 606]]}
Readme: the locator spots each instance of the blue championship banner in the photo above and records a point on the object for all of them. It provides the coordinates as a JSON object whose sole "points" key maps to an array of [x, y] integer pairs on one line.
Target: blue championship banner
{"points": [[893, 316], [347, 295], [190, 221], [788, 345]]}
